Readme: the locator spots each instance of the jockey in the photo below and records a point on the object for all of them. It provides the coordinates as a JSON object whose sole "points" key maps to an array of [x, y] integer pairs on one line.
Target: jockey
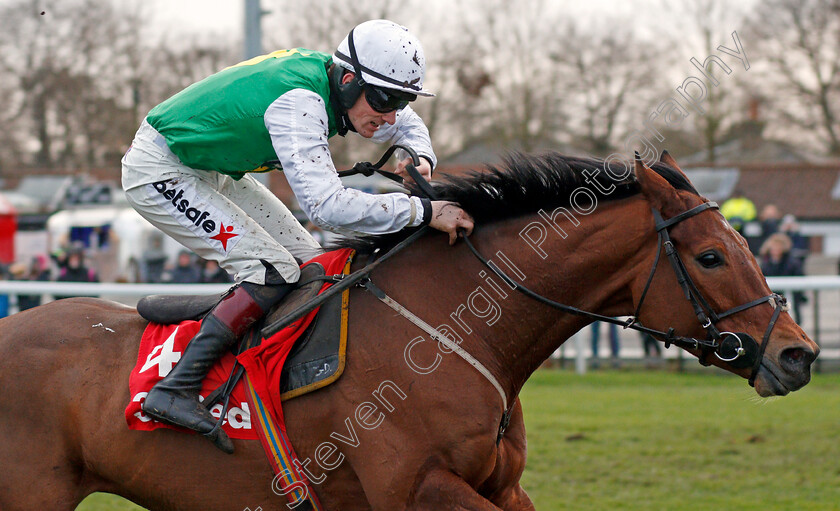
{"points": [[188, 173]]}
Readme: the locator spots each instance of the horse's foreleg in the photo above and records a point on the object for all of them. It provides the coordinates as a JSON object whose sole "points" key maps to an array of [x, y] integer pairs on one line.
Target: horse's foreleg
{"points": [[514, 500], [502, 487], [441, 489], [30, 484]]}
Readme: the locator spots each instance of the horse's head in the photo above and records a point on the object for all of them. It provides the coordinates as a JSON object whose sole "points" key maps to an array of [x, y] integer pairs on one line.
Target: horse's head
{"points": [[724, 293]]}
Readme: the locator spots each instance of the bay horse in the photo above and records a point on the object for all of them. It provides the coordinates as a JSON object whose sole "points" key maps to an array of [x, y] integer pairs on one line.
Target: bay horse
{"points": [[414, 427]]}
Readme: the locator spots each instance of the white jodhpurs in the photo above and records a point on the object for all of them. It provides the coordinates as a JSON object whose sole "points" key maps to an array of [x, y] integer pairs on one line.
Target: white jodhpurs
{"points": [[240, 224]]}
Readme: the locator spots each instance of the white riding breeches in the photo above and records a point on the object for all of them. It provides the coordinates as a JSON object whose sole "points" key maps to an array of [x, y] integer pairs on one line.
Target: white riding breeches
{"points": [[238, 223]]}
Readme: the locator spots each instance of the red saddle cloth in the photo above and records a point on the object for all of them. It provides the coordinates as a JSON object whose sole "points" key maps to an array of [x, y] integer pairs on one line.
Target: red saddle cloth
{"points": [[161, 347]]}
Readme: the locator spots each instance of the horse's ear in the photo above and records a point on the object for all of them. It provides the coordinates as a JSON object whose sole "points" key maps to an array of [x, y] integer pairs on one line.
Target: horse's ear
{"points": [[654, 187], [669, 160]]}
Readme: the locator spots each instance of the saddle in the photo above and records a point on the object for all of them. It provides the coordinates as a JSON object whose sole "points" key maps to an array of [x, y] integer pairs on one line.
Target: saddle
{"points": [[318, 356]]}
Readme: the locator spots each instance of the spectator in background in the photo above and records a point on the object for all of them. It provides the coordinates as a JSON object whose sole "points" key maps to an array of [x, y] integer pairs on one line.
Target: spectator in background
{"points": [[596, 336], [769, 220], [75, 269], [776, 261], [186, 271], [653, 352], [738, 210], [214, 274], [799, 243], [59, 257], [4, 298], [38, 271], [100, 238], [153, 260]]}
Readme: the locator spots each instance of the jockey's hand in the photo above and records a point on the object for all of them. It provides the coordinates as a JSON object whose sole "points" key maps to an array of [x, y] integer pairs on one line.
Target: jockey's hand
{"points": [[425, 169], [449, 218]]}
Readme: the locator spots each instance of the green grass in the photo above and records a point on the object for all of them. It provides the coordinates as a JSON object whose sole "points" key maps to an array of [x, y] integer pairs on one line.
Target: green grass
{"points": [[106, 502], [663, 441]]}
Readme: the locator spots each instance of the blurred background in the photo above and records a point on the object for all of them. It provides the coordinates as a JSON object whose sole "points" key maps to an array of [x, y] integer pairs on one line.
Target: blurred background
{"points": [[744, 94]]}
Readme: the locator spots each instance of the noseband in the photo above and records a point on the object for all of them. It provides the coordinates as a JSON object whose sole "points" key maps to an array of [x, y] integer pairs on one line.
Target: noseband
{"points": [[739, 350]]}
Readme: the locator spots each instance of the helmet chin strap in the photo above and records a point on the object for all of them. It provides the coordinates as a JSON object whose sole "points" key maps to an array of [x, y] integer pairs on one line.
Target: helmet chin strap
{"points": [[345, 95], [339, 96], [348, 93]]}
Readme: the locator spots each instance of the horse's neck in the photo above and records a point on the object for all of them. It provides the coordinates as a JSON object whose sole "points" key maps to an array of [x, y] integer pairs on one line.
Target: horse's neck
{"points": [[592, 268]]}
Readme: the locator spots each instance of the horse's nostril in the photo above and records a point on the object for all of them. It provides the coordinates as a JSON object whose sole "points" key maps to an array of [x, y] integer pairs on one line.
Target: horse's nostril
{"points": [[797, 358], [797, 355]]}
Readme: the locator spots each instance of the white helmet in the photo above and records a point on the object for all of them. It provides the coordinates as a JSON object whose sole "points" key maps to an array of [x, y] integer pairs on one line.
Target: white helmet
{"points": [[384, 54]]}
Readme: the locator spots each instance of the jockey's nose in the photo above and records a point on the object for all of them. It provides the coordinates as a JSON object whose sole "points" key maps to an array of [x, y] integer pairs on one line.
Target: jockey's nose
{"points": [[390, 117]]}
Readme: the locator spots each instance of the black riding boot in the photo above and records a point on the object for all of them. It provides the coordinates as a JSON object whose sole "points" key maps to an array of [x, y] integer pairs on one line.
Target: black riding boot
{"points": [[174, 399]]}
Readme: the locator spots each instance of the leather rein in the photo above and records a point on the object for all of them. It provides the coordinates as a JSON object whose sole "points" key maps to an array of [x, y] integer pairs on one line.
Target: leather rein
{"points": [[739, 350]]}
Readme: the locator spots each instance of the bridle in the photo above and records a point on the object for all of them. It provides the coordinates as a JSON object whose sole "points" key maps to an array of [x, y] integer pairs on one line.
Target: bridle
{"points": [[739, 350]]}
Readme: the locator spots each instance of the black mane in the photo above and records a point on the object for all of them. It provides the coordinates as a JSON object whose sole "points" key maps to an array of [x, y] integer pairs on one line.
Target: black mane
{"points": [[524, 184]]}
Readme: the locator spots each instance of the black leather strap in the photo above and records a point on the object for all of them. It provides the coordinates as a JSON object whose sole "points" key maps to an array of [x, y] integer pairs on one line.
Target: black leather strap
{"points": [[427, 211], [349, 281]]}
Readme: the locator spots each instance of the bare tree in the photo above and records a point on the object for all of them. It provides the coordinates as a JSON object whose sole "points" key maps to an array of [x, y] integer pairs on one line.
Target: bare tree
{"points": [[609, 72], [82, 74], [177, 66], [59, 62], [509, 93], [800, 39], [697, 29]]}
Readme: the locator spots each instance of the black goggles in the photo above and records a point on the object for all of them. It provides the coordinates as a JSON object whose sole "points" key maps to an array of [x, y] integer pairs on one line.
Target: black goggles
{"points": [[386, 102]]}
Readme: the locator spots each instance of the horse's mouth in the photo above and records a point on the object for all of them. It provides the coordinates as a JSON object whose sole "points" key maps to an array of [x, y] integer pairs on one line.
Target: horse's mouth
{"points": [[769, 383]]}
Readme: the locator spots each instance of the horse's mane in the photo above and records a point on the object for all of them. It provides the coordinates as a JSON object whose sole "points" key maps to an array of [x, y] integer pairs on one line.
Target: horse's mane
{"points": [[523, 184]]}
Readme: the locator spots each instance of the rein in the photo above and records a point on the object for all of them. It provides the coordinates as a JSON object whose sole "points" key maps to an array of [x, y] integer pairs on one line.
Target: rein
{"points": [[357, 277], [739, 350], [361, 278], [368, 169]]}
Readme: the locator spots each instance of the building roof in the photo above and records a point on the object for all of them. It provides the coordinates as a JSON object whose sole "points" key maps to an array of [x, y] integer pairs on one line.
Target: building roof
{"points": [[807, 191], [743, 150]]}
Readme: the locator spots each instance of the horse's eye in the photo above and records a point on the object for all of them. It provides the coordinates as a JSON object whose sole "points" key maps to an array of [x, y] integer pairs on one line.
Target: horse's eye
{"points": [[710, 259]]}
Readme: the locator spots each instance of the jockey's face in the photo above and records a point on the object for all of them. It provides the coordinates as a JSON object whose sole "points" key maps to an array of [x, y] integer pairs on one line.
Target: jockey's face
{"points": [[365, 119]]}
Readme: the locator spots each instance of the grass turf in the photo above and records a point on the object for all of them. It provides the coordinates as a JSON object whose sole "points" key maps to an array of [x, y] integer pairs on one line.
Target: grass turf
{"points": [[663, 441]]}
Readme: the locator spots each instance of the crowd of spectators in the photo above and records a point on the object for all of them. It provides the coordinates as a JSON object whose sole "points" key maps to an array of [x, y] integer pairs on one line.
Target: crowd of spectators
{"points": [[775, 239], [70, 264], [187, 268]]}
